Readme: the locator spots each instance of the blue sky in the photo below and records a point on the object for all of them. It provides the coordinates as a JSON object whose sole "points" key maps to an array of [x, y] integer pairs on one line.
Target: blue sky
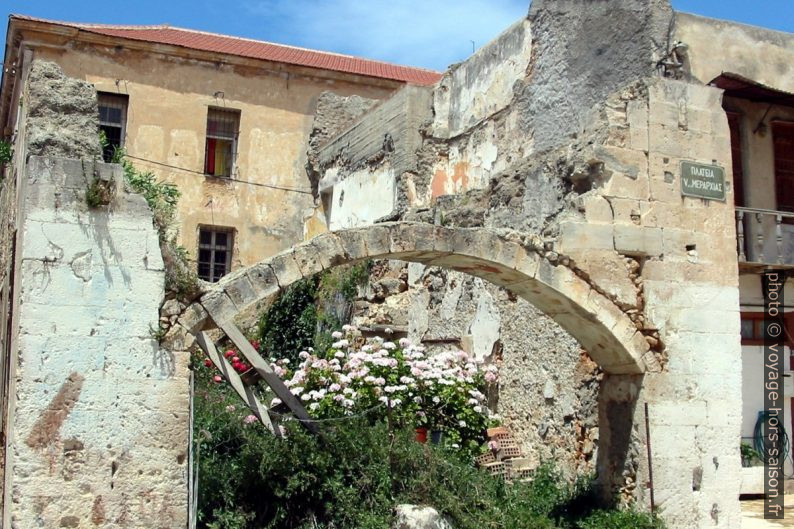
{"points": [[428, 33]]}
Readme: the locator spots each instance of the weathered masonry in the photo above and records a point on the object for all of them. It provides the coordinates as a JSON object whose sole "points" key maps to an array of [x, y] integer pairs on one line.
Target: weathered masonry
{"points": [[600, 161]]}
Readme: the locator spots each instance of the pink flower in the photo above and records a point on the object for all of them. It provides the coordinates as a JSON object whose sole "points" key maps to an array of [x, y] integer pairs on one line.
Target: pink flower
{"points": [[217, 378], [250, 419]]}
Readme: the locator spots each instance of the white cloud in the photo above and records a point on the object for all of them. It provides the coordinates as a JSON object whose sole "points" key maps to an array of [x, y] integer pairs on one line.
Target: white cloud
{"points": [[429, 33]]}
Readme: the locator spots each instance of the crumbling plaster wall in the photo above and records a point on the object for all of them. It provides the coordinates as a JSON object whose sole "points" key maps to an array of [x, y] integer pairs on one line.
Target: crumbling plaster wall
{"points": [[717, 46], [548, 387], [99, 415], [591, 144]]}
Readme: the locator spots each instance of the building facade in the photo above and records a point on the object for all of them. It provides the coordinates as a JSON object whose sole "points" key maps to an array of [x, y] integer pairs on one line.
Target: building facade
{"points": [[225, 119]]}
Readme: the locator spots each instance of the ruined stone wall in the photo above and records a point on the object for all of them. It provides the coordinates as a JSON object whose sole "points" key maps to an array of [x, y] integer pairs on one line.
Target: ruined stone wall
{"points": [[99, 417], [583, 156], [548, 386]]}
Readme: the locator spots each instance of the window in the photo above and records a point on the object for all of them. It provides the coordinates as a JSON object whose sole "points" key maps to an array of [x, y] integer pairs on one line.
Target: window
{"points": [[112, 121], [752, 328], [214, 253], [221, 147]]}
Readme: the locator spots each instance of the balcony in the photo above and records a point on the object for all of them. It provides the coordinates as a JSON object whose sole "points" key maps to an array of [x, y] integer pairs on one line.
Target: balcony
{"points": [[764, 238]]}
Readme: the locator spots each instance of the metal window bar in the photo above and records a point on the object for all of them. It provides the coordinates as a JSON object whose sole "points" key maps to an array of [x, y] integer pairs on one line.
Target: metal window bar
{"points": [[214, 254]]}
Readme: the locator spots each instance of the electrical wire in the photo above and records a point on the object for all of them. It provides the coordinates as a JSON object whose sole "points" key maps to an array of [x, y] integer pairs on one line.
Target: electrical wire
{"points": [[192, 171]]}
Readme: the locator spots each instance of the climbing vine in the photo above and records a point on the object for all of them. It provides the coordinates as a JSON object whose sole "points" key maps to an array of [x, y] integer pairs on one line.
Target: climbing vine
{"points": [[305, 314]]}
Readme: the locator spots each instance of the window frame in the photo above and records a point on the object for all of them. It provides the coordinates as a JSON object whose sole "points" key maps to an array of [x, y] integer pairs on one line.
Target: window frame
{"points": [[124, 99], [213, 247], [235, 136], [758, 331]]}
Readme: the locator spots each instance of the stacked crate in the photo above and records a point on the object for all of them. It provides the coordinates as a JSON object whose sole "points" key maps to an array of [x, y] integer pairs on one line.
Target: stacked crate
{"points": [[505, 460]]}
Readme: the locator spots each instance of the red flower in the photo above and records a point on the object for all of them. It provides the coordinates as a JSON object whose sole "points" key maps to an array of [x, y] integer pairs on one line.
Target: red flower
{"points": [[208, 362], [235, 359], [228, 354], [255, 343]]}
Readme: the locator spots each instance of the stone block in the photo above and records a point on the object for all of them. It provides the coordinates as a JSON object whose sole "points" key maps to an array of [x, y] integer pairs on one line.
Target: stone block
{"points": [[286, 269], [241, 291], [597, 209], [378, 240], [580, 235], [330, 250], [194, 318], [607, 269], [638, 240], [263, 280], [219, 306], [353, 243], [637, 116], [308, 259]]}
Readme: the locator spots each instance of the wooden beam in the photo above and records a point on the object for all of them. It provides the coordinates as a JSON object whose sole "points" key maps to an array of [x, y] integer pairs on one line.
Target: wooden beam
{"points": [[245, 392], [265, 371]]}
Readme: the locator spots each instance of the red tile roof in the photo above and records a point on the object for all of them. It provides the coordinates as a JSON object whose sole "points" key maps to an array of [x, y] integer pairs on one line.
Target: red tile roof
{"points": [[255, 49]]}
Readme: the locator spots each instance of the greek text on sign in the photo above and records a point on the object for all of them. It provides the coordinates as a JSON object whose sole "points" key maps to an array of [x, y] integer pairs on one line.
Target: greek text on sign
{"points": [[702, 181]]}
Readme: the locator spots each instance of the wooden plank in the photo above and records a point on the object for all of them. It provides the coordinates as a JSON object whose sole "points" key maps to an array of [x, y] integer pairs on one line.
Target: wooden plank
{"points": [[245, 392], [265, 371]]}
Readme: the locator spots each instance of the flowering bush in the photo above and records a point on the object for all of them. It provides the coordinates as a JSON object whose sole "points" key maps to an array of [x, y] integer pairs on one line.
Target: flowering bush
{"points": [[387, 380], [394, 380]]}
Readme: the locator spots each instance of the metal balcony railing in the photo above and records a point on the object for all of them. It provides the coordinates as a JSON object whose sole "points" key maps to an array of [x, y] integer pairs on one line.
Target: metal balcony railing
{"points": [[765, 236]]}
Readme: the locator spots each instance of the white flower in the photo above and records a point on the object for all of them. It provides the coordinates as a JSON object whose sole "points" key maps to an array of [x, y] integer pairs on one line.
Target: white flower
{"points": [[306, 396], [389, 346], [297, 390], [477, 409], [314, 405], [336, 335], [303, 355], [275, 402], [436, 400], [339, 354], [462, 424]]}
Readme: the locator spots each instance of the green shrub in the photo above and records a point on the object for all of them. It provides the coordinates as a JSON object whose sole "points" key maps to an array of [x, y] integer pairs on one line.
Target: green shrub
{"points": [[288, 326], [354, 474], [619, 520], [6, 152]]}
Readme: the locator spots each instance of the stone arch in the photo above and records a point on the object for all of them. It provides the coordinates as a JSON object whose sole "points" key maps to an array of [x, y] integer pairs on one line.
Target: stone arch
{"points": [[503, 258]]}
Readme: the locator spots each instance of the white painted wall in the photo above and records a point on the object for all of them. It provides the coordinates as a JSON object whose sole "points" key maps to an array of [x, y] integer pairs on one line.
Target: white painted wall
{"points": [[753, 366], [100, 411], [362, 198]]}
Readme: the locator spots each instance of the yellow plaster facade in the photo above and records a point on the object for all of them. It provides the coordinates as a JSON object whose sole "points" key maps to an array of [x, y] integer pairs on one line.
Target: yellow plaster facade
{"points": [[268, 202]]}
